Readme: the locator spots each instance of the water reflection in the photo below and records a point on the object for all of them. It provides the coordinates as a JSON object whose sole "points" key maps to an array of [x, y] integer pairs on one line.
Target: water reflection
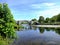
{"points": [[57, 30], [42, 29], [34, 28], [38, 36], [47, 29]]}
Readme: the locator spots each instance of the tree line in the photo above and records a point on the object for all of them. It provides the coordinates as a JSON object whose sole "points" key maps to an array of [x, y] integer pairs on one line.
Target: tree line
{"points": [[53, 20]]}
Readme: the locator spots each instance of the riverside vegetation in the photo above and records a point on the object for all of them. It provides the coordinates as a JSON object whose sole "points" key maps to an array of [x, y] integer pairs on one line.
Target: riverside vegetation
{"points": [[55, 20], [7, 25]]}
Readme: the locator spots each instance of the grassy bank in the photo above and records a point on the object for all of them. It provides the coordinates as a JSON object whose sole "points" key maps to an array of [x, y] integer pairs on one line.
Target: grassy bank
{"points": [[5, 41]]}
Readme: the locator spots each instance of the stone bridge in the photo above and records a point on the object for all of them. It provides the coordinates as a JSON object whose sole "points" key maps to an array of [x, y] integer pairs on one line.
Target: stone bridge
{"points": [[21, 21]]}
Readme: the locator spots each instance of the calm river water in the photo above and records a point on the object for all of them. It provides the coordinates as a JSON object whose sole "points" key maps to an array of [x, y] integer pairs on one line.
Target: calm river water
{"points": [[38, 36]]}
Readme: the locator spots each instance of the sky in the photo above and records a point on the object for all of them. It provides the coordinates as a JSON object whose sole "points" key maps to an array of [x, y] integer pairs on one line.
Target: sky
{"points": [[30, 9]]}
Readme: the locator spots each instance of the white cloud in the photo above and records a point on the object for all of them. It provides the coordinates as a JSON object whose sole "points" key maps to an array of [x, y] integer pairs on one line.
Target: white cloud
{"points": [[42, 5], [51, 9], [49, 13], [49, 4]]}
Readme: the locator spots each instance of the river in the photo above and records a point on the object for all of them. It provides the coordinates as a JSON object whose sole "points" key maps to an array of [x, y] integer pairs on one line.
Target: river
{"points": [[38, 36]]}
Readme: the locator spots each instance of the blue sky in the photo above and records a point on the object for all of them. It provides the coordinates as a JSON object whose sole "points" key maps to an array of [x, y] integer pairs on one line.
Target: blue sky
{"points": [[29, 9]]}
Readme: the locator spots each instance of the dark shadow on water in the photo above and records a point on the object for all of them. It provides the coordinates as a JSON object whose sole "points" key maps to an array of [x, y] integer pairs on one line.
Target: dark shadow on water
{"points": [[57, 30], [41, 30]]}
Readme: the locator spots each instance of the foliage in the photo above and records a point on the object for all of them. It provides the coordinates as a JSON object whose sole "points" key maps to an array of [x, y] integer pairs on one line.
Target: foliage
{"points": [[58, 18], [5, 41], [55, 20], [19, 27], [7, 22], [47, 20], [41, 20], [34, 19]]}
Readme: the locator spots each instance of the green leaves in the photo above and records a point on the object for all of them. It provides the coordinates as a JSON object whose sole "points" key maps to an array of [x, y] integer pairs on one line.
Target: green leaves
{"points": [[7, 23], [41, 20]]}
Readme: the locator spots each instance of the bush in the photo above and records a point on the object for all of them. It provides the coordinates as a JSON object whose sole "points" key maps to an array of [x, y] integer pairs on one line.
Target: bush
{"points": [[5, 41], [7, 22]]}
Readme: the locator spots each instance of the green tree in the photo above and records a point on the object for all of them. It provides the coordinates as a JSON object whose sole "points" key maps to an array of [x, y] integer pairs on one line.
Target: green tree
{"points": [[6, 21], [54, 19], [34, 19], [47, 20], [58, 18], [41, 20]]}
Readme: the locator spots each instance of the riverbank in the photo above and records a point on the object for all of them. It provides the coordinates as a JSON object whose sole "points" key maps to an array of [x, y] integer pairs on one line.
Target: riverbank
{"points": [[46, 26], [5, 41]]}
